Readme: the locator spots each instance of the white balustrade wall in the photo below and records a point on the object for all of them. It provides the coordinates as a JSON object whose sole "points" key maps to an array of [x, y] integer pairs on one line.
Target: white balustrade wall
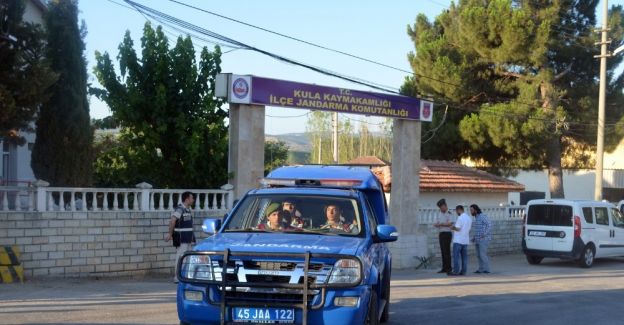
{"points": [[17, 198], [73, 232], [429, 216], [42, 198]]}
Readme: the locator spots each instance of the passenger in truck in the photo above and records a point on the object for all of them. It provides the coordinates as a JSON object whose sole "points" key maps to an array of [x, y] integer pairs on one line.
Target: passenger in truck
{"points": [[335, 220]]}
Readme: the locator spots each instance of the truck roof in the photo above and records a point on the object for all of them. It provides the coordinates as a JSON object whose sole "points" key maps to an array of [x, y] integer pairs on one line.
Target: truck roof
{"points": [[318, 172], [337, 177]]}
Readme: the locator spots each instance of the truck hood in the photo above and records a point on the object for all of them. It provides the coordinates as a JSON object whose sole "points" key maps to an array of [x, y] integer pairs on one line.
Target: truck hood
{"points": [[281, 243]]}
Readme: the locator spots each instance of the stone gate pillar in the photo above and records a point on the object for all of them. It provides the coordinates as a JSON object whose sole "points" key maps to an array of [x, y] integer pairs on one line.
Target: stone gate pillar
{"points": [[405, 194], [246, 143]]}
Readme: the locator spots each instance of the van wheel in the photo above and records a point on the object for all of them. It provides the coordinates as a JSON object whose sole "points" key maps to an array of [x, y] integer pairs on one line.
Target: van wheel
{"points": [[373, 309], [534, 260], [587, 258]]}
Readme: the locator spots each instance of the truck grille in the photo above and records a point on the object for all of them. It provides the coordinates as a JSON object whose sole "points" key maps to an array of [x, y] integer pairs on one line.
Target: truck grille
{"points": [[265, 265], [266, 296]]}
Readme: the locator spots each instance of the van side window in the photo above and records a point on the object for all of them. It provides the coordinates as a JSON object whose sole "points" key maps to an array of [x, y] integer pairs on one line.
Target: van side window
{"points": [[588, 214], [602, 216], [618, 218]]}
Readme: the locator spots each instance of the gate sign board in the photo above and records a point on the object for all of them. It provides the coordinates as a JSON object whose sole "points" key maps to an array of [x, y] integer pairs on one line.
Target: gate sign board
{"points": [[273, 92]]}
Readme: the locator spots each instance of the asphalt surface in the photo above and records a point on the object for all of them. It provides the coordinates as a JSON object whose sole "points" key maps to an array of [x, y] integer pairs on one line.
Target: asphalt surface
{"points": [[555, 292]]}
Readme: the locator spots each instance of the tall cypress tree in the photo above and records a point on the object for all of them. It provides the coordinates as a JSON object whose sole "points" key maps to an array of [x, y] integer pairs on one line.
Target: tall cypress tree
{"points": [[62, 154]]}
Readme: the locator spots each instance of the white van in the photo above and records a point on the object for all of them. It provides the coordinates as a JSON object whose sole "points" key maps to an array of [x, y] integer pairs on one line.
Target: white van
{"points": [[578, 230]]}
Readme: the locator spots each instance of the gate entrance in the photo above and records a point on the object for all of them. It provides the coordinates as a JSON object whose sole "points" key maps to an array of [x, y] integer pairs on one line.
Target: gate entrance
{"points": [[248, 95]]}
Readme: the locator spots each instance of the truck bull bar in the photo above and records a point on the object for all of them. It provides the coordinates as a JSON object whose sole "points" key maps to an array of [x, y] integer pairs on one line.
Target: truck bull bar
{"points": [[226, 256]]}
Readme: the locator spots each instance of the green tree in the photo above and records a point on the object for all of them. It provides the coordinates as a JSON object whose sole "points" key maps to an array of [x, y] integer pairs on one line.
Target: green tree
{"points": [[112, 160], [25, 75], [62, 154], [173, 126], [520, 75], [275, 155], [108, 122], [351, 143]]}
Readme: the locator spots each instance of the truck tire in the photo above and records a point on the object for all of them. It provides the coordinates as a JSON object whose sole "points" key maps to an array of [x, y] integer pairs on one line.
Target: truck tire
{"points": [[385, 314], [534, 260], [587, 257], [372, 316]]}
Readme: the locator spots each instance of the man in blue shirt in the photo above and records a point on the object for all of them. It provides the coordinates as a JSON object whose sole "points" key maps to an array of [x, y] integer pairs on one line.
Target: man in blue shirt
{"points": [[481, 238]]}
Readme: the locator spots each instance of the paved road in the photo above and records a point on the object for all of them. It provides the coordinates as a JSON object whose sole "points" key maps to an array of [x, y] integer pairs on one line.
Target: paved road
{"points": [[516, 293]]}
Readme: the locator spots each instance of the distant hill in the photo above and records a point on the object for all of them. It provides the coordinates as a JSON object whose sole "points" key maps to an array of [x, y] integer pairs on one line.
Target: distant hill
{"points": [[298, 142]]}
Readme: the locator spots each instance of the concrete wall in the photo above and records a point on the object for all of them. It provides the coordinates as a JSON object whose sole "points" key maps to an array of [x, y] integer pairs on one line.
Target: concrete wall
{"points": [[82, 244], [506, 239], [577, 184], [77, 244]]}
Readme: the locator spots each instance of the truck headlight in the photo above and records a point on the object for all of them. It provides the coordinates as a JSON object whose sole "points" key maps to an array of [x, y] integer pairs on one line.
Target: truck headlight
{"points": [[197, 267], [346, 271]]}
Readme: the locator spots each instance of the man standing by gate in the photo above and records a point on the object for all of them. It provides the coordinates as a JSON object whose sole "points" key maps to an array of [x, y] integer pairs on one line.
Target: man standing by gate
{"points": [[181, 228], [443, 223]]}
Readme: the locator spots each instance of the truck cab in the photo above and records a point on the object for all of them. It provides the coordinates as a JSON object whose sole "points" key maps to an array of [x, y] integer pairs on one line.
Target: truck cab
{"points": [[308, 247]]}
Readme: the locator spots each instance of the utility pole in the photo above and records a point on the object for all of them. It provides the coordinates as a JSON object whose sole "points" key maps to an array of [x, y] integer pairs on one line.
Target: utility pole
{"points": [[335, 121], [320, 146], [601, 103]]}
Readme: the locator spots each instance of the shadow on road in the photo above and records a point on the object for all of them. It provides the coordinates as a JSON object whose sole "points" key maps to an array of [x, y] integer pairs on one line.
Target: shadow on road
{"points": [[564, 308]]}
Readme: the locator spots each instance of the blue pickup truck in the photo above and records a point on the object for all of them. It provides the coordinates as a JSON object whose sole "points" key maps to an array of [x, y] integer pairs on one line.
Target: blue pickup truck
{"points": [[305, 248]]}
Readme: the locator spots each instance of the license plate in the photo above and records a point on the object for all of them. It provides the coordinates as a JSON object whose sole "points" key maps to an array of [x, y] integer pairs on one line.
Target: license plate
{"points": [[263, 315], [537, 233]]}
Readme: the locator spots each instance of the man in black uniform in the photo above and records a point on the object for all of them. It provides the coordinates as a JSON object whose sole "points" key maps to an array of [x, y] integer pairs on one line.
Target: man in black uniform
{"points": [[443, 223], [181, 228]]}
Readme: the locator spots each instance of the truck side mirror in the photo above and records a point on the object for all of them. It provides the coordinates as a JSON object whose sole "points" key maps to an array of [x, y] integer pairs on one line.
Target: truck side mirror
{"points": [[211, 226], [387, 233]]}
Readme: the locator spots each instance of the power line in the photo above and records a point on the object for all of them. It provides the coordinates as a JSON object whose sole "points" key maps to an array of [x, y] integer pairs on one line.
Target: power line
{"points": [[306, 42], [161, 16], [292, 37]]}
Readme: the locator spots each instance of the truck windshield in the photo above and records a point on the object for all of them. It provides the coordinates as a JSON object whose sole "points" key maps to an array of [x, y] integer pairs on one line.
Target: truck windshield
{"points": [[297, 214]]}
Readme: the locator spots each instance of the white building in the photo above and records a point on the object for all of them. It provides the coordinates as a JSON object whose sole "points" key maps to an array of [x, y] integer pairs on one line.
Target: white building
{"points": [[15, 160]]}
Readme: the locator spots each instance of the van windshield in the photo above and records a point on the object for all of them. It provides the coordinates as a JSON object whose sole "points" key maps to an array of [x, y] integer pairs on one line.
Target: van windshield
{"points": [[550, 215]]}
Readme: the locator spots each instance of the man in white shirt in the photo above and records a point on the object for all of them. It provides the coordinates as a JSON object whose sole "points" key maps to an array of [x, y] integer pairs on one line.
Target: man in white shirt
{"points": [[461, 239]]}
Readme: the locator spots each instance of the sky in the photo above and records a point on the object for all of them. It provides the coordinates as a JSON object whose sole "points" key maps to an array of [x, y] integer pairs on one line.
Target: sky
{"points": [[376, 30], [371, 29]]}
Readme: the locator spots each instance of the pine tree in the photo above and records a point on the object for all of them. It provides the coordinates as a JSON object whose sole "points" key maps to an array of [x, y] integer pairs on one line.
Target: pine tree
{"points": [[519, 74], [62, 154], [24, 74]]}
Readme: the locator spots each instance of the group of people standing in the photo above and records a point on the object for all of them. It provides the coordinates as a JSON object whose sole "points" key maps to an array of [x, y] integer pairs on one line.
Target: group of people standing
{"points": [[457, 231]]}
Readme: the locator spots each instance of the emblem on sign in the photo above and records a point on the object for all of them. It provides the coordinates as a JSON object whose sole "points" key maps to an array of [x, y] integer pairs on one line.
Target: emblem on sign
{"points": [[240, 88], [426, 111]]}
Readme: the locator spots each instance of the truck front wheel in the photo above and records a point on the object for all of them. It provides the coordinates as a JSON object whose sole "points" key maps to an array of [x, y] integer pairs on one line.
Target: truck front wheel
{"points": [[372, 316], [385, 314]]}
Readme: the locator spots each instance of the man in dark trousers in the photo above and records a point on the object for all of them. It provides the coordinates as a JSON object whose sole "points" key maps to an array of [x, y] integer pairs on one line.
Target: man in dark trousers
{"points": [[443, 223], [181, 228]]}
